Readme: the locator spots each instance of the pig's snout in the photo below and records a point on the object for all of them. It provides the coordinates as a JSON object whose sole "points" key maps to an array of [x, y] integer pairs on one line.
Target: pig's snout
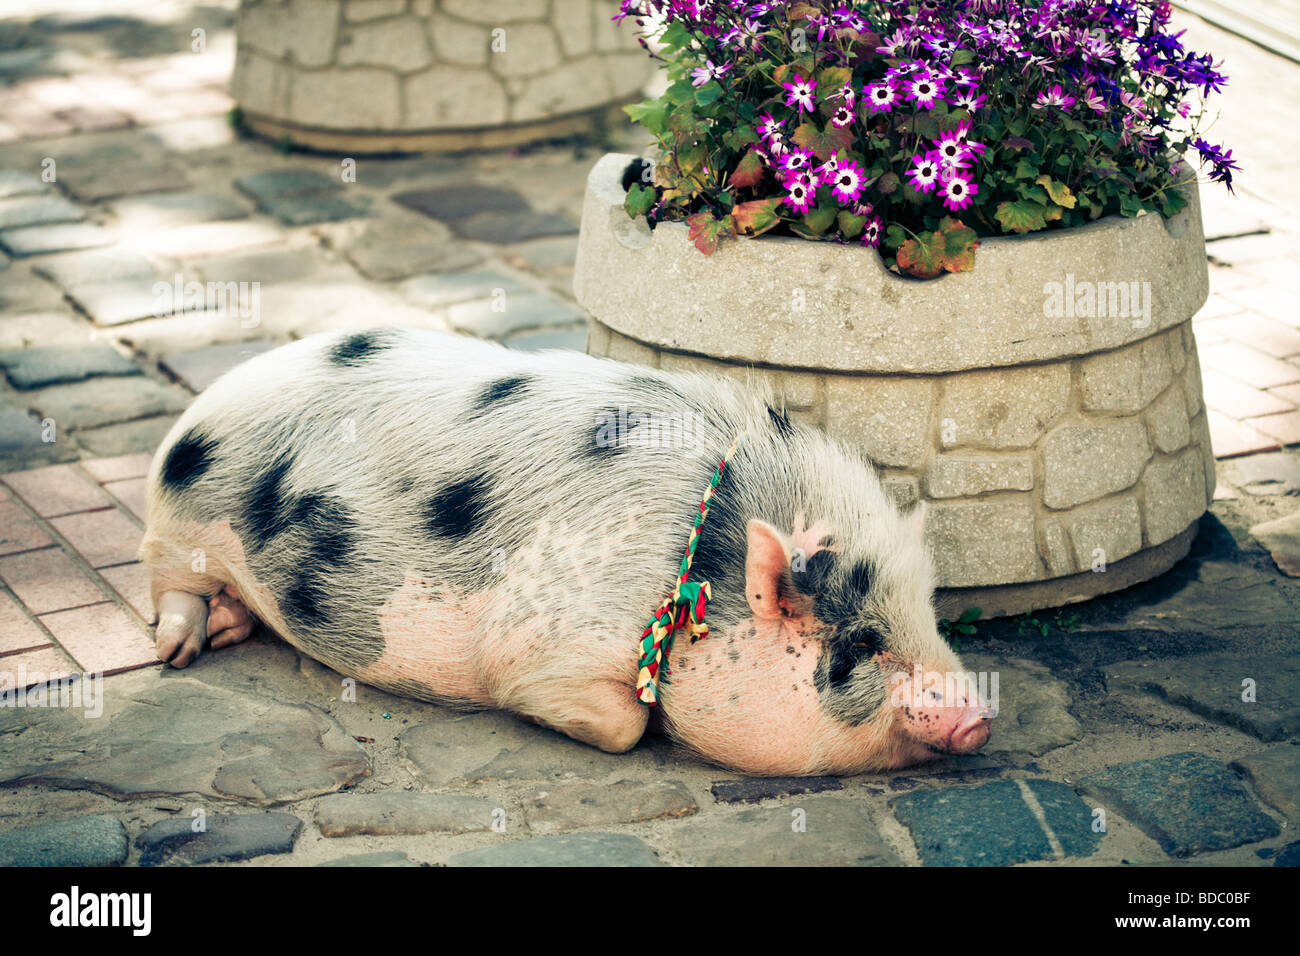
{"points": [[948, 719], [971, 730]]}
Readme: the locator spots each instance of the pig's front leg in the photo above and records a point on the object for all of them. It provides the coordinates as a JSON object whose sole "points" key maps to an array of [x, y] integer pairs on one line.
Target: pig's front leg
{"points": [[604, 713]]}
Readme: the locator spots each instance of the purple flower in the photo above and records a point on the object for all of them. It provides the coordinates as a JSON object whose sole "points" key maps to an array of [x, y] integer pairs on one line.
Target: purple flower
{"points": [[709, 71], [952, 151], [924, 173], [881, 96], [801, 93], [958, 191], [1055, 96], [848, 181], [799, 192], [925, 91], [872, 231]]}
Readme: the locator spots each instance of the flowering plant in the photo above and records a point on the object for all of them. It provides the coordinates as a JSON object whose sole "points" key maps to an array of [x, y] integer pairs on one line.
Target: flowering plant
{"points": [[917, 126]]}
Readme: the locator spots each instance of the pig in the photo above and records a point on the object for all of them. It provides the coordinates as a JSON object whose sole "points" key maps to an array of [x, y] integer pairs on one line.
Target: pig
{"points": [[457, 522]]}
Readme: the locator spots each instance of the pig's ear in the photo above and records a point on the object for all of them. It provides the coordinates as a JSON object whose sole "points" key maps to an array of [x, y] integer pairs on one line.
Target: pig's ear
{"points": [[767, 571], [916, 520]]}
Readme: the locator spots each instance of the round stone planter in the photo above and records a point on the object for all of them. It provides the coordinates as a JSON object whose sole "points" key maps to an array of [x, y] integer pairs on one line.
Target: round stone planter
{"points": [[377, 76], [1047, 405]]}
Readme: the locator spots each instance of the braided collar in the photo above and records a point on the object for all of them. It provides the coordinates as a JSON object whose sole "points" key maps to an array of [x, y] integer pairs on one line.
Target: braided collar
{"points": [[684, 609]]}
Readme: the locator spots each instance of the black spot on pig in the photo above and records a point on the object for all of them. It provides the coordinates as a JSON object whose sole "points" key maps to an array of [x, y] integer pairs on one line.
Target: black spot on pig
{"points": [[720, 551], [500, 390], [270, 509], [459, 509], [188, 460], [358, 347], [325, 537], [781, 421]]}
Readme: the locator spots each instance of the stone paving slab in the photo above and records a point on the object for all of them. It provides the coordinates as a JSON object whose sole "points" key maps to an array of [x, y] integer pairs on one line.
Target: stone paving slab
{"points": [[1186, 802], [1033, 714], [574, 339], [86, 404], [184, 737], [199, 368], [439, 291], [572, 806], [64, 237], [578, 849], [279, 183], [57, 365], [405, 814], [19, 182], [503, 314], [997, 824], [311, 208], [37, 211], [1214, 685], [169, 210], [1281, 538], [462, 201], [225, 838], [803, 831], [1275, 773], [78, 841]]}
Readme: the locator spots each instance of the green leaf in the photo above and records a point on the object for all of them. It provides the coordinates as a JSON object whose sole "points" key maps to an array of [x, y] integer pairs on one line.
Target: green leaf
{"points": [[922, 256], [822, 143], [959, 245], [1021, 216], [888, 184], [851, 226], [1025, 169], [709, 93], [650, 114], [832, 78], [1173, 203], [894, 236], [707, 231], [676, 36], [819, 219], [639, 200], [749, 172], [970, 615], [680, 92], [757, 217], [1059, 192]]}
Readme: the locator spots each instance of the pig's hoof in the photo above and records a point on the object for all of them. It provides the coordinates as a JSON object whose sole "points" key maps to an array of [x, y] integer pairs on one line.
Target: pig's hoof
{"points": [[182, 627], [229, 621]]}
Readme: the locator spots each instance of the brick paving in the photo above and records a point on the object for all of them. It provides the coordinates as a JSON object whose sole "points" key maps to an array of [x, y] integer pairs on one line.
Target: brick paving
{"points": [[152, 185]]}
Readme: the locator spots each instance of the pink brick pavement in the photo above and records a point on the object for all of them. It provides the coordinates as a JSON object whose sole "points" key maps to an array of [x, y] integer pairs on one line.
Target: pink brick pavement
{"points": [[73, 599]]}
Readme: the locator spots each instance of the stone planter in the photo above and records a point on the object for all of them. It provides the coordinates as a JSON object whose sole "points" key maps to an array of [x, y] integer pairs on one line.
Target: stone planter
{"points": [[1064, 451], [375, 76]]}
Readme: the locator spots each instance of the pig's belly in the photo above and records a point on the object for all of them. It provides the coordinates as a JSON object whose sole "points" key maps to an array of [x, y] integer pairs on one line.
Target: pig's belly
{"points": [[430, 644]]}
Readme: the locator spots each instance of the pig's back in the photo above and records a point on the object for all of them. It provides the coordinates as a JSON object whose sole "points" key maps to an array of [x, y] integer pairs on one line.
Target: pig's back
{"points": [[371, 478]]}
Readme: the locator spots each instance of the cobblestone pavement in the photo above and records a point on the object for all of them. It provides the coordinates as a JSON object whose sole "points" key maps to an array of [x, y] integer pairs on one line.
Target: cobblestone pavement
{"points": [[1157, 725]]}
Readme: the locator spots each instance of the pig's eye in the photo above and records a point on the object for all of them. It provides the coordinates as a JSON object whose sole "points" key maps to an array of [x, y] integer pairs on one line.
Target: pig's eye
{"points": [[935, 696]]}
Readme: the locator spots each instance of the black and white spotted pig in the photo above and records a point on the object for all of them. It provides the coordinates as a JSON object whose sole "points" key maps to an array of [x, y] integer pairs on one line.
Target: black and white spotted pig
{"points": [[453, 521]]}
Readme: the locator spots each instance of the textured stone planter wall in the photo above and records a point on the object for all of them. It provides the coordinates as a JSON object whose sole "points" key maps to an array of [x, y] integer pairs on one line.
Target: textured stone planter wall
{"points": [[369, 76], [1046, 445]]}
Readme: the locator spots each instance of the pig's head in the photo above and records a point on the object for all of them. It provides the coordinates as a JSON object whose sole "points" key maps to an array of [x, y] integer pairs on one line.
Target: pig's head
{"points": [[834, 663]]}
